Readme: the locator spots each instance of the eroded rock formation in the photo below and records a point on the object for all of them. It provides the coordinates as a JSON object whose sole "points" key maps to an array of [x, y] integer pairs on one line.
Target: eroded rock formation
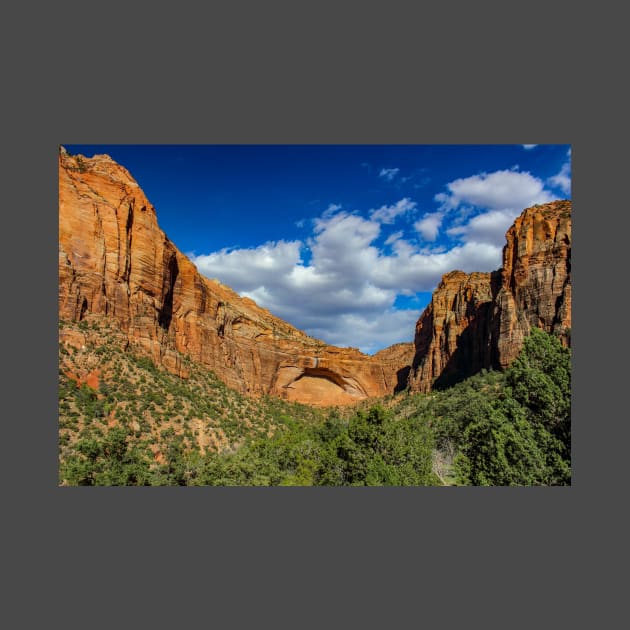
{"points": [[453, 334], [536, 274], [479, 320], [115, 262]]}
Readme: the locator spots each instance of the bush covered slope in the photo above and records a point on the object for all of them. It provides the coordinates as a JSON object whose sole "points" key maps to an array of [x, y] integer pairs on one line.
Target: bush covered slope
{"points": [[144, 426]]}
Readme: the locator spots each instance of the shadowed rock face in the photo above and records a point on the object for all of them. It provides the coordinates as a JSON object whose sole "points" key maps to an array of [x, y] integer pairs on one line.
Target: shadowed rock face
{"points": [[115, 262], [453, 335], [480, 320], [536, 287]]}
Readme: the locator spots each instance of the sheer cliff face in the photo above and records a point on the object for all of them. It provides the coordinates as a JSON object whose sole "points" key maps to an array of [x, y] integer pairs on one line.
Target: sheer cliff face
{"points": [[479, 320], [453, 335], [536, 287], [115, 262]]}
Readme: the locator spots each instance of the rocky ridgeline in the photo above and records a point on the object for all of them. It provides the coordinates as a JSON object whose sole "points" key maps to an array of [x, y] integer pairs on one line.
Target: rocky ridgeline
{"points": [[115, 262], [480, 320]]}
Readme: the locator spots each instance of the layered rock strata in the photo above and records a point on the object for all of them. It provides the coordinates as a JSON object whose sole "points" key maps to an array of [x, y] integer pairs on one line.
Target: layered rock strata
{"points": [[115, 262], [480, 320]]}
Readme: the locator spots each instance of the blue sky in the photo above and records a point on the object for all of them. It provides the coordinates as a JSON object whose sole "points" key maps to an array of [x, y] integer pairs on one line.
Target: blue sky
{"points": [[346, 242]]}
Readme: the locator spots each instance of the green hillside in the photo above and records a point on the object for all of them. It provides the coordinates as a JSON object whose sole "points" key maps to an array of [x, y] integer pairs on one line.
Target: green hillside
{"points": [[142, 425]]}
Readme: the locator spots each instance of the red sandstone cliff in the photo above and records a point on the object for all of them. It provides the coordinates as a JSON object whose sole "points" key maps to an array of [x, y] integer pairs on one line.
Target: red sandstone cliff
{"points": [[115, 262], [452, 334], [479, 320], [536, 287]]}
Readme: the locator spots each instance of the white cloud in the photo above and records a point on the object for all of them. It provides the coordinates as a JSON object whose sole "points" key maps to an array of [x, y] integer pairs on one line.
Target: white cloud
{"points": [[489, 227], [429, 225], [562, 179], [370, 334], [389, 173], [416, 270], [341, 245], [528, 147], [387, 214], [332, 208], [345, 294], [249, 268], [485, 205], [395, 236], [500, 190]]}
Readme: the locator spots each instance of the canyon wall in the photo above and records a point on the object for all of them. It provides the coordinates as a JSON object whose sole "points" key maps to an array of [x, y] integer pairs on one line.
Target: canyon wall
{"points": [[480, 320], [116, 263]]}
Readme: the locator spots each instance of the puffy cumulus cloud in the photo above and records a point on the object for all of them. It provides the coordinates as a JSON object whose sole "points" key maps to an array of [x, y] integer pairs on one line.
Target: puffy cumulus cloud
{"points": [[370, 334], [502, 190], [250, 268], [309, 309], [562, 180], [416, 270], [345, 295], [489, 227], [389, 174], [529, 147], [388, 214], [429, 225], [341, 246], [485, 205], [346, 292]]}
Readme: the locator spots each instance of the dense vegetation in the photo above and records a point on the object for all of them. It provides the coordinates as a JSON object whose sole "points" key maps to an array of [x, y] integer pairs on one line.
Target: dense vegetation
{"points": [[144, 426], [512, 427]]}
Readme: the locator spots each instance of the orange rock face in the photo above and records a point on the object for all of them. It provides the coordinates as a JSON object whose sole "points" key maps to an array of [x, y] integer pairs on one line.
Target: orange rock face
{"points": [[536, 288], [114, 261], [480, 320], [453, 334]]}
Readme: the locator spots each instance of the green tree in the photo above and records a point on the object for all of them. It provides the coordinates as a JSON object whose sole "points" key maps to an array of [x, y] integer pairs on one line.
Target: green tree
{"points": [[520, 433], [540, 380], [379, 449], [500, 451], [105, 460]]}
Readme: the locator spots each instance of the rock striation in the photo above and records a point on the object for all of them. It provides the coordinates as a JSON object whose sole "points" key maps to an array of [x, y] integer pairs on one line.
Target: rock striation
{"points": [[115, 262], [480, 320], [536, 279]]}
